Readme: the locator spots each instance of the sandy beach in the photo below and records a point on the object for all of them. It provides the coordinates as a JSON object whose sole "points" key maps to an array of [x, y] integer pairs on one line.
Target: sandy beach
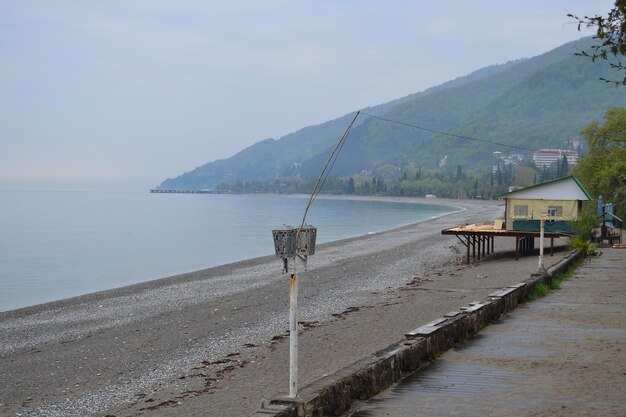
{"points": [[213, 342]]}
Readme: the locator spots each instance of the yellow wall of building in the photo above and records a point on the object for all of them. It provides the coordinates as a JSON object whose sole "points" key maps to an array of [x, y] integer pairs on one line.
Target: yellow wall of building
{"points": [[542, 209]]}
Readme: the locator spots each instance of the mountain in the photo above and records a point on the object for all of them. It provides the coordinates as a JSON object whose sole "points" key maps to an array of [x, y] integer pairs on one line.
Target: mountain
{"points": [[530, 103]]}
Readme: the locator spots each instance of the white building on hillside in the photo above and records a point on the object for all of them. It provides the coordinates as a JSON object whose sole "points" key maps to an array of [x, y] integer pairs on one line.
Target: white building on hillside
{"points": [[545, 157]]}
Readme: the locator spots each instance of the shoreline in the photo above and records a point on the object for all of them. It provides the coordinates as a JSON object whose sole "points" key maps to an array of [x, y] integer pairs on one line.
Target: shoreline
{"points": [[216, 337], [244, 262]]}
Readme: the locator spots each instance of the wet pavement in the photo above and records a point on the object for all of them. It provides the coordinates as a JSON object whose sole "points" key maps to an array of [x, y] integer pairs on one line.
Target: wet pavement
{"points": [[561, 355]]}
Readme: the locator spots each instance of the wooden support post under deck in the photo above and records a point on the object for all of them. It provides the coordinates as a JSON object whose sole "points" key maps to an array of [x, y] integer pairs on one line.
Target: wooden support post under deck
{"points": [[478, 234], [474, 247], [526, 246]]}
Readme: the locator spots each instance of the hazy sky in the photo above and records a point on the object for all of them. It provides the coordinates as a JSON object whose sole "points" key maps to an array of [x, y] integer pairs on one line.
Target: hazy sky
{"points": [[138, 91]]}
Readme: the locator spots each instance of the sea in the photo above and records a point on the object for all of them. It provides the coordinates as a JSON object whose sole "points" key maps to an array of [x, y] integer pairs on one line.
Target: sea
{"points": [[60, 244]]}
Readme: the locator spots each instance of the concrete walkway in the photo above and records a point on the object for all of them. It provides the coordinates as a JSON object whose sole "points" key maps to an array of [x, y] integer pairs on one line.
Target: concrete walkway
{"points": [[561, 355]]}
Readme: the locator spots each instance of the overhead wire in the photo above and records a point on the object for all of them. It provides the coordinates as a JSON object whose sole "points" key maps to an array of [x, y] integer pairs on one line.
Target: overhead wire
{"points": [[330, 163], [321, 179], [325, 171], [445, 133]]}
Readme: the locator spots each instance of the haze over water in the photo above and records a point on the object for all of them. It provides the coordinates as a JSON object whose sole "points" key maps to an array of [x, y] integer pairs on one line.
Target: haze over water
{"points": [[60, 244]]}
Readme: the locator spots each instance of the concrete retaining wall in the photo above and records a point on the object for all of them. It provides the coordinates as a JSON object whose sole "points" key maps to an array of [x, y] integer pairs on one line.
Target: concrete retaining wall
{"points": [[333, 395]]}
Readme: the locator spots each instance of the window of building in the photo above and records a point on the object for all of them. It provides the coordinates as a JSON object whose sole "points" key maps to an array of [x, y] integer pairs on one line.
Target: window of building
{"points": [[520, 210], [555, 211]]}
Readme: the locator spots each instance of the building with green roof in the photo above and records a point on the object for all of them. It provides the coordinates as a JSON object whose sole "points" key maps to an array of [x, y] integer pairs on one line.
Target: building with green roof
{"points": [[558, 202]]}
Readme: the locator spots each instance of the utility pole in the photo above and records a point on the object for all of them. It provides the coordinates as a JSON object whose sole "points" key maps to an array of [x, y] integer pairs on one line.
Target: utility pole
{"points": [[541, 269], [289, 244], [293, 335]]}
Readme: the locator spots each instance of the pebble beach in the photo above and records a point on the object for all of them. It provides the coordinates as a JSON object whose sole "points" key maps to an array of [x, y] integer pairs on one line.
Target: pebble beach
{"points": [[215, 343]]}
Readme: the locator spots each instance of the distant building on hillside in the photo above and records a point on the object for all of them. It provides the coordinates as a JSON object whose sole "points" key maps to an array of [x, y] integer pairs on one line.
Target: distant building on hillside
{"points": [[577, 145], [543, 158], [513, 159]]}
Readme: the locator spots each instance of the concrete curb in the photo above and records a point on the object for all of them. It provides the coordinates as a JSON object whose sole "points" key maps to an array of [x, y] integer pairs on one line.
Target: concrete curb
{"points": [[333, 395]]}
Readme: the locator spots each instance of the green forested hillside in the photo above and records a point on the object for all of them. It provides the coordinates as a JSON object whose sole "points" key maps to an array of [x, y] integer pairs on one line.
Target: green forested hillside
{"points": [[270, 158], [546, 109], [532, 103]]}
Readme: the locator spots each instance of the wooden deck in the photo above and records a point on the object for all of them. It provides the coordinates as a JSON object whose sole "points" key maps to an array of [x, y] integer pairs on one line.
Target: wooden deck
{"points": [[479, 239]]}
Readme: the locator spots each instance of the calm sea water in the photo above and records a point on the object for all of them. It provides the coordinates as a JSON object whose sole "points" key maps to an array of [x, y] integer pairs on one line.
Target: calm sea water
{"points": [[55, 245]]}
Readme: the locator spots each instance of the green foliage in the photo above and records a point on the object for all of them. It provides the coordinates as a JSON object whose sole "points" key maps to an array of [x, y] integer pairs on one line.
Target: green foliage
{"points": [[585, 223], [583, 227], [555, 283], [578, 242], [525, 176], [611, 32], [349, 187], [603, 168], [443, 184], [539, 290]]}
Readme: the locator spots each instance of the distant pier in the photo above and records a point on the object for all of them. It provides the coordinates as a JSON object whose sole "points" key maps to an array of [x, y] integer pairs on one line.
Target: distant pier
{"points": [[157, 190]]}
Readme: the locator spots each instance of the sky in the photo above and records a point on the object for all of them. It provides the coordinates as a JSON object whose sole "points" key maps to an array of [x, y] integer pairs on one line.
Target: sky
{"points": [[129, 93]]}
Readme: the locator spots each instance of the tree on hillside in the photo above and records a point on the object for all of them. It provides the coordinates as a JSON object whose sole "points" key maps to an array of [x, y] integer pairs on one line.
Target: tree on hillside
{"points": [[611, 31], [525, 176], [563, 167], [349, 187], [459, 173], [603, 168]]}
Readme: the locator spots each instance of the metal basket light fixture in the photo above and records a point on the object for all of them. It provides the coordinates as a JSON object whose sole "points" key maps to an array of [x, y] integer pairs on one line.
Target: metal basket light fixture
{"points": [[291, 241]]}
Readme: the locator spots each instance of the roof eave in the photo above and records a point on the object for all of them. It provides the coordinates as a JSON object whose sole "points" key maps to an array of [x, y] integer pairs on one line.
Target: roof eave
{"points": [[576, 180]]}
